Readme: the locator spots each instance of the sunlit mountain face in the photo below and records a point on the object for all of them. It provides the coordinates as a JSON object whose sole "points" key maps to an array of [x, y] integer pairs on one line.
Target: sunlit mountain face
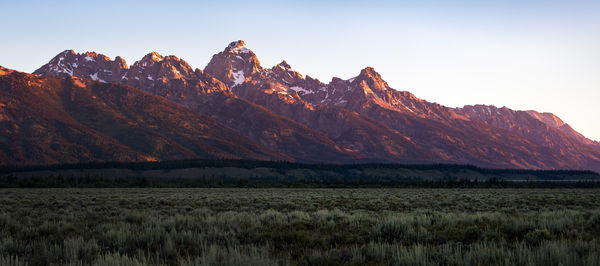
{"points": [[161, 108]]}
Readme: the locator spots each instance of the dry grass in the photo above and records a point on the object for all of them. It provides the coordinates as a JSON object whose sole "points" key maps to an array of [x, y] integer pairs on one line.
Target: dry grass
{"points": [[299, 226]]}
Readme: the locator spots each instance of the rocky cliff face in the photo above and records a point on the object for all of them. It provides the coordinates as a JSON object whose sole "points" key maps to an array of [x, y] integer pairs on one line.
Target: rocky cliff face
{"points": [[544, 129], [234, 64], [65, 120], [173, 79], [89, 65], [277, 89], [449, 134], [358, 119]]}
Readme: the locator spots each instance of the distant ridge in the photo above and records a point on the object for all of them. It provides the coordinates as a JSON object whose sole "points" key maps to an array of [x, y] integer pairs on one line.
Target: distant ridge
{"points": [[361, 119]]}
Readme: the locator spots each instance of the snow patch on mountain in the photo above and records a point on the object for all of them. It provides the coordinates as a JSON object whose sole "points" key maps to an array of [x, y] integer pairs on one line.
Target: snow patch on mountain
{"points": [[340, 102], [301, 90], [242, 49], [238, 78], [61, 67], [96, 78]]}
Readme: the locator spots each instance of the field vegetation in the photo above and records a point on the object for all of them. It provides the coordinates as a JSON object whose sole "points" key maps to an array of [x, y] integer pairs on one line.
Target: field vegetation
{"points": [[310, 226]]}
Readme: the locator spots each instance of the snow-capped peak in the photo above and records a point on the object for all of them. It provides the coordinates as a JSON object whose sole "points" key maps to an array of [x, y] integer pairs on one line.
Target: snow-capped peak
{"points": [[238, 47]]}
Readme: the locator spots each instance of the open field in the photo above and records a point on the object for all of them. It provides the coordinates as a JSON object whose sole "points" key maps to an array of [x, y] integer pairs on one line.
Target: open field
{"points": [[215, 226]]}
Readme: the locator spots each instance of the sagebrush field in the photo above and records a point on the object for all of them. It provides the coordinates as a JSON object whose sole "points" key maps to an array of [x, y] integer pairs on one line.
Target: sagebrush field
{"points": [[219, 226]]}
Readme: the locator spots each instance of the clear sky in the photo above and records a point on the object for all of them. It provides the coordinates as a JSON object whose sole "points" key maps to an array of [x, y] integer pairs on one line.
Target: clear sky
{"points": [[542, 55]]}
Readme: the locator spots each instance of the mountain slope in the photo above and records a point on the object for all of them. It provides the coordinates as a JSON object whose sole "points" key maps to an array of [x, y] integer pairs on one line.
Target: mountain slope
{"points": [[173, 79], [449, 134], [59, 120], [363, 137], [544, 129], [359, 119]]}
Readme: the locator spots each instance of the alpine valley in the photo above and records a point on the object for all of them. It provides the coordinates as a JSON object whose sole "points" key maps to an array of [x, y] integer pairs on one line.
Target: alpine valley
{"points": [[82, 107]]}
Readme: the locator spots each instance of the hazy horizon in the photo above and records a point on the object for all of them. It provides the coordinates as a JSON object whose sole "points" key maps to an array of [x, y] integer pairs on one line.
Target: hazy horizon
{"points": [[529, 55]]}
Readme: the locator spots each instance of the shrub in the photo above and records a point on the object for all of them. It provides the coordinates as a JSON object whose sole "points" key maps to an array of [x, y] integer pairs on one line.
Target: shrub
{"points": [[536, 236]]}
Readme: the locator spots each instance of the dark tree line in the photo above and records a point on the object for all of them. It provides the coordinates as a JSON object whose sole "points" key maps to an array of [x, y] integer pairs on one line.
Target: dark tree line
{"points": [[283, 165], [89, 181], [287, 174]]}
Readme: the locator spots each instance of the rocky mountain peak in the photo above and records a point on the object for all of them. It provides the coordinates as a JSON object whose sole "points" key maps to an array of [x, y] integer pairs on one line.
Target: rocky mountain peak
{"points": [[95, 55], [284, 65], [335, 80], [234, 65], [5, 71], [372, 79], [175, 68], [90, 65], [149, 59], [237, 47], [68, 51], [155, 68], [237, 44], [155, 56], [64, 54], [121, 62], [547, 118], [369, 73], [284, 74]]}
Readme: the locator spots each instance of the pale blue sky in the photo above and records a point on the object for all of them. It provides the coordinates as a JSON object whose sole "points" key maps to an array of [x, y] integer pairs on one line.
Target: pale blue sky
{"points": [[542, 55]]}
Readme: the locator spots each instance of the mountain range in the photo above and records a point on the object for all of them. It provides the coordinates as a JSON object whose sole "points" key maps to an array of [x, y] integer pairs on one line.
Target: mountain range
{"points": [[86, 107]]}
